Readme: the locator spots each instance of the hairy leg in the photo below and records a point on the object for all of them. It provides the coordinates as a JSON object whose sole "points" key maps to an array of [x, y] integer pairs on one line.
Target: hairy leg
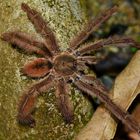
{"points": [[28, 100], [26, 43], [81, 66], [41, 27], [125, 117], [89, 59], [110, 41], [63, 100], [91, 26]]}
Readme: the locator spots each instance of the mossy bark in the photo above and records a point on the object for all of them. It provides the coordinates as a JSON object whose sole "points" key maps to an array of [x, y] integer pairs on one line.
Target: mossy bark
{"points": [[66, 18]]}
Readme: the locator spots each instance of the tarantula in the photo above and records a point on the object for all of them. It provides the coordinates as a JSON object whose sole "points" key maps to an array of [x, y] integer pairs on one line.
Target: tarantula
{"points": [[59, 69]]}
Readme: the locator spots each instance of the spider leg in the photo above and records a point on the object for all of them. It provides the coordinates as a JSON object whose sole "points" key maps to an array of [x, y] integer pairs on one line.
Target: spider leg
{"points": [[37, 68], [92, 80], [63, 101], [41, 27], [122, 115], [110, 41], [90, 27], [81, 66], [89, 59], [28, 101], [26, 43]]}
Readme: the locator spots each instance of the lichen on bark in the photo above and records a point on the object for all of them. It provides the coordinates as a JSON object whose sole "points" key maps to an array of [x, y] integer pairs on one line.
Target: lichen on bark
{"points": [[66, 18]]}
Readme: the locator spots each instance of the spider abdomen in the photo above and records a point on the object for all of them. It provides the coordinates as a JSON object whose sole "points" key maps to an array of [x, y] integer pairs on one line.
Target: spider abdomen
{"points": [[37, 68]]}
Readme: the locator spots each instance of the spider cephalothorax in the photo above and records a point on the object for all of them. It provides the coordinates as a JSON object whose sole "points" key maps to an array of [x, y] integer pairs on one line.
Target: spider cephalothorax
{"points": [[60, 69], [65, 64]]}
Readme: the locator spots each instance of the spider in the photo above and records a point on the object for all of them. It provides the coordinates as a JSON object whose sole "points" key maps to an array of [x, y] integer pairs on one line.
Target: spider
{"points": [[61, 69]]}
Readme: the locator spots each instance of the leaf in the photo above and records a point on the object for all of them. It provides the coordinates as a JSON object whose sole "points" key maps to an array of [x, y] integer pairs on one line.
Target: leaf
{"points": [[136, 114], [103, 125]]}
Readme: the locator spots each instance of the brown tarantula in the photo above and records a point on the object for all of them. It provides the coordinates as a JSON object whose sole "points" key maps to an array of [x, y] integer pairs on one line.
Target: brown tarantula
{"points": [[59, 69]]}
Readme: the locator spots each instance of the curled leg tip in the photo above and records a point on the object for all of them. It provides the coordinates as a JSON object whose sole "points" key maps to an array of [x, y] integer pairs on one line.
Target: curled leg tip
{"points": [[28, 120], [69, 119], [5, 36], [24, 7], [32, 125]]}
